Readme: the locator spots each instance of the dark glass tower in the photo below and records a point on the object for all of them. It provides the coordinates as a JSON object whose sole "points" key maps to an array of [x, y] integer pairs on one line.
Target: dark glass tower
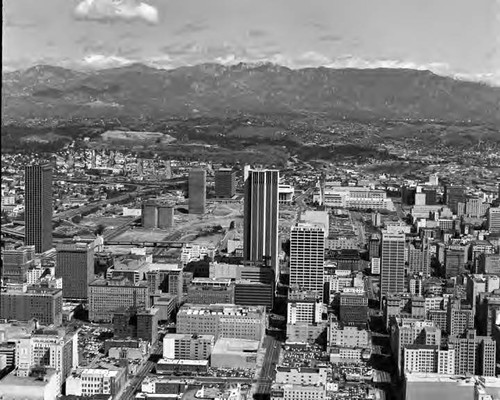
{"points": [[75, 265], [225, 183], [260, 242], [197, 191], [38, 207], [454, 195]]}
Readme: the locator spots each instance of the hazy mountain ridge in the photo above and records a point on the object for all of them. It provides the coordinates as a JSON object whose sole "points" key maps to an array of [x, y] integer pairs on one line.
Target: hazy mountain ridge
{"points": [[47, 91]]}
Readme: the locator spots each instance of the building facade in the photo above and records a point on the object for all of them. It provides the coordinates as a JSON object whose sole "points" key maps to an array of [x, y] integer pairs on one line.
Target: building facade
{"points": [[43, 304], [187, 346], [197, 191], [75, 265], [225, 183], [474, 354], [16, 263], [38, 207], [107, 296], [392, 270], [261, 210], [454, 195], [307, 257], [222, 320]]}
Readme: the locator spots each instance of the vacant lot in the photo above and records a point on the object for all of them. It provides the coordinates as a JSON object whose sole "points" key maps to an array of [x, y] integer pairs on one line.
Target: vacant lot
{"points": [[156, 137]]}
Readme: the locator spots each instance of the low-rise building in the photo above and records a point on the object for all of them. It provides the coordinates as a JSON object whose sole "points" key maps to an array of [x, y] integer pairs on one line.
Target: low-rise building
{"points": [[235, 353], [289, 391], [210, 291], [169, 366], [107, 296], [341, 335], [42, 384], [301, 376], [223, 320], [188, 346], [23, 303], [349, 355], [91, 381]]}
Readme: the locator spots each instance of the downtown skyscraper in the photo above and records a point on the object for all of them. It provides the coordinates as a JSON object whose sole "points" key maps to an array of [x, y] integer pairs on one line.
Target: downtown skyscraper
{"points": [[260, 241], [454, 195], [75, 265], [38, 207], [197, 191], [392, 270], [307, 257]]}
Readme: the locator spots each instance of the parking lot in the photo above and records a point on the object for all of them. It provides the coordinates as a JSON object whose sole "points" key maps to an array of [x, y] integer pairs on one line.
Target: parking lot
{"points": [[91, 343]]}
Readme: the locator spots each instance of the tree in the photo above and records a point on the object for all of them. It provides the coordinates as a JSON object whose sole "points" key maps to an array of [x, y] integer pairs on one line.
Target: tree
{"points": [[99, 229]]}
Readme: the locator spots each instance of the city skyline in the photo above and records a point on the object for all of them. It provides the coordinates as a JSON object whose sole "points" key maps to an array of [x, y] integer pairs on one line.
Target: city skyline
{"points": [[250, 199]]}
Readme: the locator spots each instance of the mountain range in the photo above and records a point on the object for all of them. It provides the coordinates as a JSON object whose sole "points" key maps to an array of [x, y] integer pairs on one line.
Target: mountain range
{"points": [[210, 89]]}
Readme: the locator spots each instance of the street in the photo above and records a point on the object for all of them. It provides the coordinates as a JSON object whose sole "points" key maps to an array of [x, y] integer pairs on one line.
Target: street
{"points": [[133, 385], [271, 359]]}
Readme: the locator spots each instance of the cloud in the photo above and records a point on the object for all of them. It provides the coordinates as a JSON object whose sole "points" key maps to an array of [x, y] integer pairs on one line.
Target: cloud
{"points": [[191, 27], [100, 61], [8, 23], [116, 10], [330, 38], [226, 54], [256, 33]]}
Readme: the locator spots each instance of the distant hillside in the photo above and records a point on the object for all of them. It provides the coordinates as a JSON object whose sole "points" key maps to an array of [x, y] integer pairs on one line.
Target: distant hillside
{"points": [[135, 90]]}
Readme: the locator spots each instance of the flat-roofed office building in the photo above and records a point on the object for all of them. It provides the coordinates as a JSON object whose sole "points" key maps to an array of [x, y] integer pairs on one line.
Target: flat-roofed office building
{"points": [[261, 217], [307, 257], [197, 191], [38, 206]]}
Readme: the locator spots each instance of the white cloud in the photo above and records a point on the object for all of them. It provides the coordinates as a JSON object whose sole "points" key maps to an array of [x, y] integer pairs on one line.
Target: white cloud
{"points": [[234, 55], [110, 10], [100, 61]]}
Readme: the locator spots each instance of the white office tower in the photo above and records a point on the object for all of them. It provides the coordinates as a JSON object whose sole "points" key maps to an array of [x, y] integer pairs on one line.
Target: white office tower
{"points": [[392, 271], [434, 180], [307, 257], [494, 219], [246, 172], [419, 197]]}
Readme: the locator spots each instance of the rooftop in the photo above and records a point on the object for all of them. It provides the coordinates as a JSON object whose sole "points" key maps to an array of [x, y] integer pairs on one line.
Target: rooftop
{"points": [[234, 346], [94, 372], [172, 361], [34, 380], [187, 336]]}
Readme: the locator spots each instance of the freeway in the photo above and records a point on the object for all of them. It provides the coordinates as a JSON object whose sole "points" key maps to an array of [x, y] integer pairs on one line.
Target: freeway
{"points": [[300, 199], [119, 230], [142, 243], [108, 236], [12, 233], [128, 181], [89, 207]]}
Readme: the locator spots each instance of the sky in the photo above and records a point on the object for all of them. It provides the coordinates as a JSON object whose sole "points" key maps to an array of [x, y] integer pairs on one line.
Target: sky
{"points": [[458, 38]]}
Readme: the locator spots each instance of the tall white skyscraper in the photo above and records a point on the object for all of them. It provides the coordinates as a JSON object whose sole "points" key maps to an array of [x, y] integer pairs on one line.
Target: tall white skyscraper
{"points": [[494, 219], [307, 257], [392, 271]]}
